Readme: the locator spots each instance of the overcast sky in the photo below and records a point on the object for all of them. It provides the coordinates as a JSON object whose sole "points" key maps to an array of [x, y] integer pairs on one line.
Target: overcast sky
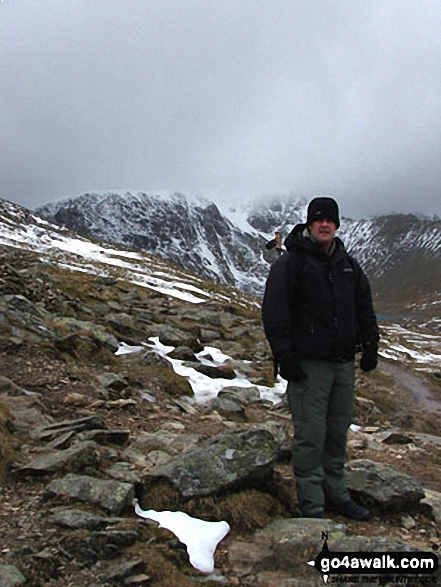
{"points": [[236, 97]]}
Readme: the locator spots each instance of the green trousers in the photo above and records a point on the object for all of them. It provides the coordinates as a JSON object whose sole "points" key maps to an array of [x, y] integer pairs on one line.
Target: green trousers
{"points": [[321, 406]]}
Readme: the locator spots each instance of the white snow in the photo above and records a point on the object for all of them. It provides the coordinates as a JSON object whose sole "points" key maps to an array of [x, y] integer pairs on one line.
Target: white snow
{"points": [[411, 345], [200, 537], [205, 388], [101, 259]]}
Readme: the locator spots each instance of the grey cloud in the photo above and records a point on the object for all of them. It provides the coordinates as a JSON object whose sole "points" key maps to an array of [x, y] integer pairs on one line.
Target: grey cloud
{"points": [[230, 96]]}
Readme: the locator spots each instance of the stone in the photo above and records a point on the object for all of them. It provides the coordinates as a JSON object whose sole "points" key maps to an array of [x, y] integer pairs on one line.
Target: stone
{"points": [[73, 325], [118, 572], [58, 428], [126, 326], [432, 502], [9, 387], [286, 545], [75, 458], [243, 395], [183, 353], [11, 576], [75, 519], [382, 485], [226, 461], [215, 372], [113, 381], [110, 495], [99, 544], [172, 336], [226, 407], [106, 437], [393, 437]]}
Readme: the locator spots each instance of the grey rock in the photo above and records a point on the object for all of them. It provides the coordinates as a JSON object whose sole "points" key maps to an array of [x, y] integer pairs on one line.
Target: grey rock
{"points": [[166, 441], [75, 519], [27, 412], [172, 336], [106, 437], [206, 316], [226, 461], [118, 572], [98, 332], [110, 495], [381, 485], [9, 387], [243, 395], [81, 346], [282, 437], [11, 576], [215, 372], [432, 501], [75, 458], [183, 353], [113, 381], [151, 449], [58, 428], [226, 407], [393, 437], [25, 320], [126, 472], [126, 326], [209, 335], [98, 545], [286, 545]]}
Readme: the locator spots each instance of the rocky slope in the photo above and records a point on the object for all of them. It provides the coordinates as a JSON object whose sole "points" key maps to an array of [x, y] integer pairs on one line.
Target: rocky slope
{"points": [[401, 253], [123, 377]]}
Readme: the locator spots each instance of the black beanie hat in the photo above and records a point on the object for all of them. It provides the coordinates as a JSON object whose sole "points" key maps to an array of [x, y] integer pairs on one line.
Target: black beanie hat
{"points": [[323, 209]]}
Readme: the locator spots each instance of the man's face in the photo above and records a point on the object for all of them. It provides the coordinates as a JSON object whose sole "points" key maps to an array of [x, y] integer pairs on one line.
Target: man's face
{"points": [[323, 231]]}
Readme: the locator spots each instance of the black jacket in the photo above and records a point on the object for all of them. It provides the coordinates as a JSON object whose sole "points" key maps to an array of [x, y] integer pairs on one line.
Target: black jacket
{"points": [[315, 304]]}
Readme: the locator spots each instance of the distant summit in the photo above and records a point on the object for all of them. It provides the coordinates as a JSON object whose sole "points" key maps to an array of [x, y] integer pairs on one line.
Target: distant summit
{"points": [[226, 242]]}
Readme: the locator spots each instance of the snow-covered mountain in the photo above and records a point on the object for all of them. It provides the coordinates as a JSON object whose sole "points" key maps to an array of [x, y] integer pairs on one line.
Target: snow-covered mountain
{"points": [[225, 246], [53, 245], [224, 241], [22, 229]]}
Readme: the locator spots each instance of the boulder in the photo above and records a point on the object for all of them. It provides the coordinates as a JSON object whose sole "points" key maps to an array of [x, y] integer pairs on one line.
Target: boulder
{"points": [[75, 458], [432, 502], [76, 519], [11, 576], [243, 395], [110, 495], [229, 460], [9, 387], [284, 545], [51, 431], [382, 485]]}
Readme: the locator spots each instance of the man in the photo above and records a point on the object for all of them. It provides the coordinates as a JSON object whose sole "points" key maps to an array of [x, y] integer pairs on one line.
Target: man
{"points": [[317, 311]]}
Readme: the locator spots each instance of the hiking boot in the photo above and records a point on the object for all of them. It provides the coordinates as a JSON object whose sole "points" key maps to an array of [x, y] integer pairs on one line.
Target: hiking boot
{"points": [[350, 509]]}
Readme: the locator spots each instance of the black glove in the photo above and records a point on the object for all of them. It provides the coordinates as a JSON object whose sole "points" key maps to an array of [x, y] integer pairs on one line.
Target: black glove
{"points": [[369, 356], [290, 368]]}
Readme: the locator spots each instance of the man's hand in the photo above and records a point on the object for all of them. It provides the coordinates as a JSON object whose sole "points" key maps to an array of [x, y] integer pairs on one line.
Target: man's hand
{"points": [[290, 368], [369, 356]]}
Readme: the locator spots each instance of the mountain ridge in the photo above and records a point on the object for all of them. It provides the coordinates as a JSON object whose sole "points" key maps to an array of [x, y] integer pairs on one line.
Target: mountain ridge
{"points": [[226, 242]]}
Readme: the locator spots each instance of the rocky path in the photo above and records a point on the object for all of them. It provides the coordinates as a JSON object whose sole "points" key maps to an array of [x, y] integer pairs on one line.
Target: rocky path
{"points": [[415, 385]]}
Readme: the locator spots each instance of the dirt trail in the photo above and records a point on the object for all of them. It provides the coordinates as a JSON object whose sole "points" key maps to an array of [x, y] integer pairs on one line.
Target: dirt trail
{"points": [[415, 384]]}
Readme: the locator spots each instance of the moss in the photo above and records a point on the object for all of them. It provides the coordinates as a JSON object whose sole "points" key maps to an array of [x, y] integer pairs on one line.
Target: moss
{"points": [[161, 378], [245, 511], [162, 496], [249, 510], [168, 565]]}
